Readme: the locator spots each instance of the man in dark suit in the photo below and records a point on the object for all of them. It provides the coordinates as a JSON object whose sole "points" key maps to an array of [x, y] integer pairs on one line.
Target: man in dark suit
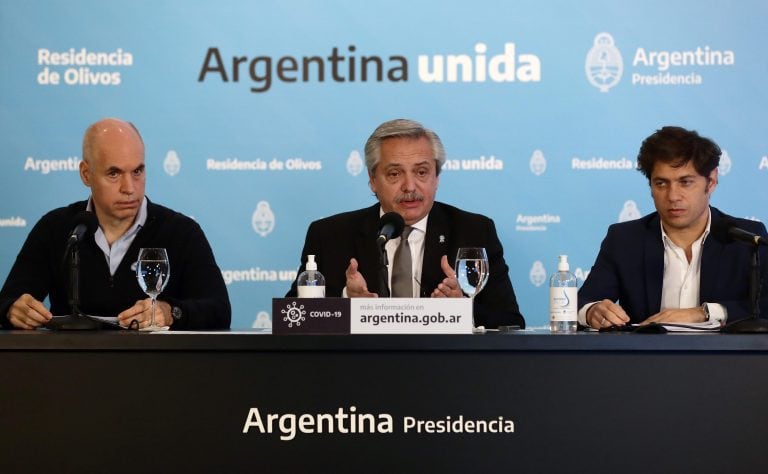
{"points": [[677, 264], [404, 160]]}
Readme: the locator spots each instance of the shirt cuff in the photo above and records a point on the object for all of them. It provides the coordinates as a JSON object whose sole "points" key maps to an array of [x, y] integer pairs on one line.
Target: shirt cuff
{"points": [[717, 312], [583, 313]]}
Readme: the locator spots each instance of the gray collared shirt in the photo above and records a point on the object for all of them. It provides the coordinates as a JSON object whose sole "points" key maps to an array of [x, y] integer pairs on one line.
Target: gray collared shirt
{"points": [[115, 253]]}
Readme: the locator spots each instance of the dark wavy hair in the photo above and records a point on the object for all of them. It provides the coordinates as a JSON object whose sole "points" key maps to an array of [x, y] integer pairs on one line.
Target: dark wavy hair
{"points": [[677, 146]]}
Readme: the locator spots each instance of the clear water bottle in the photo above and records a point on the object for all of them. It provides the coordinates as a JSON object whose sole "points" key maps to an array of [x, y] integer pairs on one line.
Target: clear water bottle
{"points": [[563, 293], [311, 283]]}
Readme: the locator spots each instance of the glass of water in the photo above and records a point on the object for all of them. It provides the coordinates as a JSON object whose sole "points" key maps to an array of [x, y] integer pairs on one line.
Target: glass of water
{"points": [[152, 272], [472, 271]]}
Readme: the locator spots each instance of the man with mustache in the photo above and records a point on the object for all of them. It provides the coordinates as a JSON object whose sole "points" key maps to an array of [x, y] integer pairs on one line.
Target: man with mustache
{"points": [[114, 170], [675, 265], [404, 160]]}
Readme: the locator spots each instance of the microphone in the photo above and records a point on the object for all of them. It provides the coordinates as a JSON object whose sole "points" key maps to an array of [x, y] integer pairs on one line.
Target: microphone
{"points": [[726, 231], [390, 227], [84, 222]]}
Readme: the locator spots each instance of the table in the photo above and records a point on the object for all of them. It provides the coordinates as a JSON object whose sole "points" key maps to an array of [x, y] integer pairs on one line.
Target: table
{"points": [[136, 402]]}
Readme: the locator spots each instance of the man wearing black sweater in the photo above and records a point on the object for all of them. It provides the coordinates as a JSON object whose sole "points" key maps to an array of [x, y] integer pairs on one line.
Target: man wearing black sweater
{"points": [[113, 168]]}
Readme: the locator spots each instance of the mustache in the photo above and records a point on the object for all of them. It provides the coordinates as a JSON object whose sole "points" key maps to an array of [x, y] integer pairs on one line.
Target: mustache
{"points": [[414, 196]]}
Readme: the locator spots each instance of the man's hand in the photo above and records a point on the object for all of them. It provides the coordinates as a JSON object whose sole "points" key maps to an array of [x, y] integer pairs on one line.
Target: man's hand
{"points": [[28, 313], [449, 287], [141, 313], [356, 285], [606, 313], [687, 315]]}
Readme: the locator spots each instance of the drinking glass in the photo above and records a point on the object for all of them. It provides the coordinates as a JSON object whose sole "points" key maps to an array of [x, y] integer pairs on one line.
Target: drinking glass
{"points": [[472, 271], [153, 271]]}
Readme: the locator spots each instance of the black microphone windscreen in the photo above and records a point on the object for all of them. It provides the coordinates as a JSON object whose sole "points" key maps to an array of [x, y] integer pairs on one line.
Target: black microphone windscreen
{"points": [[396, 222]]}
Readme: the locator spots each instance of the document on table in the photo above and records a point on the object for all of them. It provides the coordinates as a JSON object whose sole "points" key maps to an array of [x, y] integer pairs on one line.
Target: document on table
{"points": [[710, 325], [660, 328]]}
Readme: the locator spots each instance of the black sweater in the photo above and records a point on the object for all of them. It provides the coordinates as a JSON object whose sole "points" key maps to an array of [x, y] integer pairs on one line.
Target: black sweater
{"points": [[195, 284]]}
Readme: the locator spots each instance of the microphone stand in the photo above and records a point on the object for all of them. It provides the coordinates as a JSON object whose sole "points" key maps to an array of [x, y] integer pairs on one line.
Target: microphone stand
{"points": [[753, 324], [76, 319], [383, 271], [74, 280]]}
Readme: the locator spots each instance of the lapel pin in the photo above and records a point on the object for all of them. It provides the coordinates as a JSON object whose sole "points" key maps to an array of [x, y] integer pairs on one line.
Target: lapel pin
{"points": [[442, 239]]}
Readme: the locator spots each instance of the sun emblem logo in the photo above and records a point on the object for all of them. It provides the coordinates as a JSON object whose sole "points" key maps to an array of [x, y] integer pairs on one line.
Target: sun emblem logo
{"points": [[537, 275], [172, 163], [537, 163], [725, 164], [263, 219], [354, 163], [604, 65], [294, 314], [629, 212]]}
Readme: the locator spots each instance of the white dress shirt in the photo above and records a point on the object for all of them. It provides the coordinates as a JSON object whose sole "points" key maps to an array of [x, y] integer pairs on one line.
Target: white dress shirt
{"points": [[114, 253], [681, 282], [416, 243], [681, 287]]}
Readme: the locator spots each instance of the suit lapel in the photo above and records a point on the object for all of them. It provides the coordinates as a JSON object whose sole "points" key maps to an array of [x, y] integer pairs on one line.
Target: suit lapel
{"points": [[710, 261], [366, 250], [653, 263], [438, 241]]}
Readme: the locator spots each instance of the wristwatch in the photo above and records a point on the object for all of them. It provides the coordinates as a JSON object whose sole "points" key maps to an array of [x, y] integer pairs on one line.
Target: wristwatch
{"points": [[176, 313]]}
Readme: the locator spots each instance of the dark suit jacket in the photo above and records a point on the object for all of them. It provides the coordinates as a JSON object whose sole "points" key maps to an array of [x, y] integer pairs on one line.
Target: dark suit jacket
{"points": [[630, 269], [336, 239]]}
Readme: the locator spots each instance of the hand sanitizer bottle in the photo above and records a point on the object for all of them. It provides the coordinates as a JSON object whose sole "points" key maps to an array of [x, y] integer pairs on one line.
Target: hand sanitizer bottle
{"points": [[563, 293], [311, 283]]}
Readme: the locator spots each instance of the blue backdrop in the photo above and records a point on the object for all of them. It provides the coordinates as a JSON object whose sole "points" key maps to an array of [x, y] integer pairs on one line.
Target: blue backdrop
{"points": [[254, 114]]}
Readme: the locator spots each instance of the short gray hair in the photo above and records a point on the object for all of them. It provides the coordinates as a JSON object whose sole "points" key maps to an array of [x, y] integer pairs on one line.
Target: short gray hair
{"points": [[401, 128]]}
